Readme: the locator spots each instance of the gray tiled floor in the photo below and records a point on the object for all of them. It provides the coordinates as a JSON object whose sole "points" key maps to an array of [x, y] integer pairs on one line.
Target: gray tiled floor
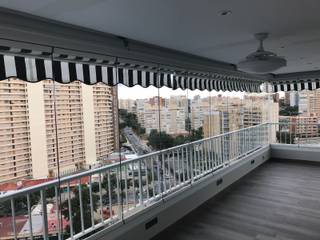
{"points": [[277, 201]]}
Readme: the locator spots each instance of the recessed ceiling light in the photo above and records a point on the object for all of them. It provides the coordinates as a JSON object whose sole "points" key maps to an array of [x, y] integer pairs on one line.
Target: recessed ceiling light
{"points": [[225, 12]]}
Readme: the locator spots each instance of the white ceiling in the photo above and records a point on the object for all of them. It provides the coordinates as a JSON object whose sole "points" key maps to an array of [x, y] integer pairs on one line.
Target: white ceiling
{"points": [[195, 26]]}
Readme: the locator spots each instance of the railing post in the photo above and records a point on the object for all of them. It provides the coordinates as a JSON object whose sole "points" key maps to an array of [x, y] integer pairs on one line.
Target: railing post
{"points": [[119, 190], [70, 210], [44, 214], [81, 206], [188, 175], [13, 215], [222, 150], [110, 194], [100, 198], [140, 185], [58, 208], [91, 201], [191, 154], [160, 178], [30, 217]]}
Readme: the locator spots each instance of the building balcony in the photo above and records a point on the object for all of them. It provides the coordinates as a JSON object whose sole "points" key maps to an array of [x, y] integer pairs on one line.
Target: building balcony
{"points": [[245, 184], [184, 61]]}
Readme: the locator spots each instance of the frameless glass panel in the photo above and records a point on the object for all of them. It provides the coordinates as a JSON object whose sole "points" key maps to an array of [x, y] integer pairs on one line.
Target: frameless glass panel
{"points": [[175, 126], [36, 128], [139, 120], [299, 117]]}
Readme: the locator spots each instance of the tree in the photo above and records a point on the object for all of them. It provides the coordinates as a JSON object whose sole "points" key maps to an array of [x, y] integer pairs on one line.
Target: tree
{"points": [[95, 187], [113, 181], [113, 187], [75, 208], [20, 205], [50, 192], [128, 119], [188, 124], [179, 140], [142, 130], [196, 134], [289, 111], [160, 140], [285, 137]]}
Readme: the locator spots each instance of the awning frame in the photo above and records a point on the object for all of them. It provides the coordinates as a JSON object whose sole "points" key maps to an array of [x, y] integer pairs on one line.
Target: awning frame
{"points": [[40, 36]]}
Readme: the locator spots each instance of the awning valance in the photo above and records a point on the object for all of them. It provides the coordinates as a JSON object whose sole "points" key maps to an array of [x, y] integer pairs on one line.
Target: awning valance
{"points": [[296, 81], [34, 66]]}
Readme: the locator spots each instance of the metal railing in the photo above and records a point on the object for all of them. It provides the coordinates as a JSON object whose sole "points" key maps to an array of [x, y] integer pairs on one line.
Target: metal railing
{"points": [[83, 203], [296, 133]]}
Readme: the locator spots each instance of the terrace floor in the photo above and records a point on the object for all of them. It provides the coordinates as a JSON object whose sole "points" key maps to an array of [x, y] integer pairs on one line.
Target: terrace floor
{"points": [[277, 201]]}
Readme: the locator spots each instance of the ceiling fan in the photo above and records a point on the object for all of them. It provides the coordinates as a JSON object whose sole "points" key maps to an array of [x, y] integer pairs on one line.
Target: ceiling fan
{"points": [[262, 61]]}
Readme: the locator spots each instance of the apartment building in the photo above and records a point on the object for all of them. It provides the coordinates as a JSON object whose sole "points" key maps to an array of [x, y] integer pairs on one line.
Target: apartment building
{"points": [[294, 99], [128, 104], [259, 110], [68, 121], [302, 126], [169, 117], [49, 124], [172, 119], [199, 108], [222, 119], [236, 113], [212, 124], [15, 147], [104, 120], [139, 111], [178, 113], [115, 110], [309, 102]]}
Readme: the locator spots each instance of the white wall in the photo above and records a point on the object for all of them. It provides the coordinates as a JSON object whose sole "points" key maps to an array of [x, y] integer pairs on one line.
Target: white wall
{"points": [[295, 152]]}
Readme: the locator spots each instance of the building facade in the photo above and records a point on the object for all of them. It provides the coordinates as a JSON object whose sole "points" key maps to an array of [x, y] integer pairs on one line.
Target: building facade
{"points": [[170, 116], [49, 124], [15, 145], [309, 102]]}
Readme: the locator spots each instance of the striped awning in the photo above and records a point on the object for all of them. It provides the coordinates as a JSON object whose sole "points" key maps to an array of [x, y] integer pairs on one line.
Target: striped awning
{"points": [[34, 66], [296, 81]]}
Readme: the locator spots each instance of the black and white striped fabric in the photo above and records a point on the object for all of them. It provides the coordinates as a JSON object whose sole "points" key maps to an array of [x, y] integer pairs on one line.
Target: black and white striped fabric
{"points": [[217, 84], [296, 85], [34, 67]]}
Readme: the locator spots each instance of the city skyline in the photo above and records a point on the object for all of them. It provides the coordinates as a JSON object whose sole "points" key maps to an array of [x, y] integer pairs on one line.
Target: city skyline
{"points": [[173, 113], [137, 92]]}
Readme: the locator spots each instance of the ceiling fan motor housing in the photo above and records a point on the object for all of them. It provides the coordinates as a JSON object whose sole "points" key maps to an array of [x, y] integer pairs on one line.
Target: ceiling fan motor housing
{"points": [[261, 61]]}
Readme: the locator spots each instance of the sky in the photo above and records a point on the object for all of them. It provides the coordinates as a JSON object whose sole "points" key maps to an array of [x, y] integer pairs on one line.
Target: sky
{"points": [[138, 92]]}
